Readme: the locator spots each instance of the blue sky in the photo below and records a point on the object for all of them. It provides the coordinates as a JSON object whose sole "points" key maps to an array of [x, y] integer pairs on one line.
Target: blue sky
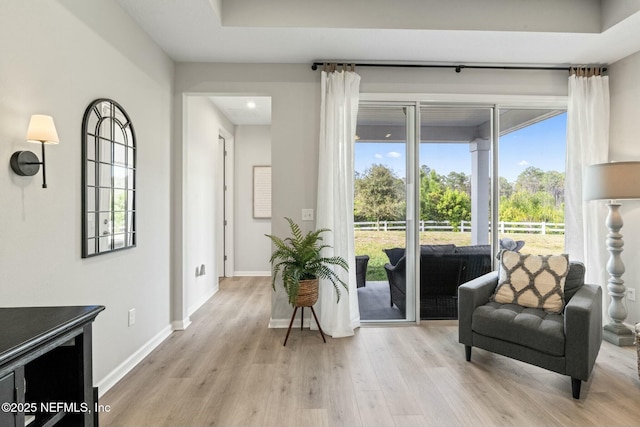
{"points": [[541, 145]]}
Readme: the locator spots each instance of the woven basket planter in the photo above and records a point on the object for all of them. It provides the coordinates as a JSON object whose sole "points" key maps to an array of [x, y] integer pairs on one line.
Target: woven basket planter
{"points": [[307, 293]]}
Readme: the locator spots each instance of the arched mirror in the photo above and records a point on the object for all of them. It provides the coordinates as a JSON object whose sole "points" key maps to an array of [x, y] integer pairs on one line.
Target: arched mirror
{"points": [[108, 179]]}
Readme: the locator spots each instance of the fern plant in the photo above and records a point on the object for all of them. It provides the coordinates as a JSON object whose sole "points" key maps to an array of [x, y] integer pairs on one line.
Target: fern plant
{"points": [[299, 258]]}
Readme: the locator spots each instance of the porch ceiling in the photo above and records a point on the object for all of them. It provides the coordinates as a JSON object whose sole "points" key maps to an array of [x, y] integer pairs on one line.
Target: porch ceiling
{"points": [[443, 124]]}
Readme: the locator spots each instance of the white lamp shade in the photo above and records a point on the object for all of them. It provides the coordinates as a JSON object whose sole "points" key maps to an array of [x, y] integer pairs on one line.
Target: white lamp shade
{"points": [[42, 129], [616, 180]]}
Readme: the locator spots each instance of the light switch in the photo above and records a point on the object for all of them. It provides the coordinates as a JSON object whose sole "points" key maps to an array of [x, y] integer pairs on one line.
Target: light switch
{"points": [[307, 214]]}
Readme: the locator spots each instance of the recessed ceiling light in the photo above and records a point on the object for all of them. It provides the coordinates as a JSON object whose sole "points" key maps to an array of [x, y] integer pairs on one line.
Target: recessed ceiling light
{"points": [[251, 105], [387, 135]]}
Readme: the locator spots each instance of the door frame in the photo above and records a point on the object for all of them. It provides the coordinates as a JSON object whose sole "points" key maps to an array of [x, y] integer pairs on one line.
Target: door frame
{"points": [[496, 102], [226, 163], [412, 191]]}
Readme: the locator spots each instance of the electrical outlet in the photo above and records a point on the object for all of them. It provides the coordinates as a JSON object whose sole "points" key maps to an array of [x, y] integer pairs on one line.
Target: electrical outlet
{"points": [[631, 294], [307, 214], [132, 317]]}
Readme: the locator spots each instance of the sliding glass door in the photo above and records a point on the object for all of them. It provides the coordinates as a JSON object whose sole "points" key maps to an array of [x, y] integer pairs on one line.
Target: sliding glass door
{"points": [[531, 184], [439, 187], [455, 194], [384, 234]]}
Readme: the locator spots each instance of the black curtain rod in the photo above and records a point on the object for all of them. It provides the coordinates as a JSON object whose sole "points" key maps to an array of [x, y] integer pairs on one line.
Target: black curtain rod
{"points": [[458, 68]]}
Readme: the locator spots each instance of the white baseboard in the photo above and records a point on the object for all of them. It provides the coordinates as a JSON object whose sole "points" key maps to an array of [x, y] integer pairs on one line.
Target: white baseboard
{"points": [[181, 325], [123, 369], [284, 323], [203, 300], [252, 274]]}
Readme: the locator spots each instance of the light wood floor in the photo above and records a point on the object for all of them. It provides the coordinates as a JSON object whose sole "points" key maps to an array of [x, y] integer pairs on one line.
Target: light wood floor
{"points": [[229, 369]]}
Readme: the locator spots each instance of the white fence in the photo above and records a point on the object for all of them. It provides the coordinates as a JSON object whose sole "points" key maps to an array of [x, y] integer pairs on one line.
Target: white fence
{"points": [[504, 227]]}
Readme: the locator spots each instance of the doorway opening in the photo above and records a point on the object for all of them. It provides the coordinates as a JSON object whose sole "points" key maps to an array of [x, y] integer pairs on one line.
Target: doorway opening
{"points": [[242, 248]]}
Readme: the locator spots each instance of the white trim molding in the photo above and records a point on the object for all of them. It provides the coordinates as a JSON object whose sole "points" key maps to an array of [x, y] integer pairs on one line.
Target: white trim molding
{"points": [[284, 323], [181, 325], [194, 307], [252, 274], [125, 367]]}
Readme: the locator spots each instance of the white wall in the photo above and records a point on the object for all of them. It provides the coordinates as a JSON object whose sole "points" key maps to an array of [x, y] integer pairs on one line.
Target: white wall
{"points": [[295, 93], [204, 122], [252, 249], [58, 56], [624, 144]]}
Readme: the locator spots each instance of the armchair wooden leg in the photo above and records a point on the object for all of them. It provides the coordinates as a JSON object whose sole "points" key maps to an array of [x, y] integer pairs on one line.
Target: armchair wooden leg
{"points": [[575, 387], [467, 352]]}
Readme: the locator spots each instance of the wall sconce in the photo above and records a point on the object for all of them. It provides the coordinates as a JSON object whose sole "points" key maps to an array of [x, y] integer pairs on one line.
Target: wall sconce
{"points": [[42, 130]]}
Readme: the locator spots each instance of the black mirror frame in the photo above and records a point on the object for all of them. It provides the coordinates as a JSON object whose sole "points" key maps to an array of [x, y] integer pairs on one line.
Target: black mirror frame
{"points": [[97, 239]]}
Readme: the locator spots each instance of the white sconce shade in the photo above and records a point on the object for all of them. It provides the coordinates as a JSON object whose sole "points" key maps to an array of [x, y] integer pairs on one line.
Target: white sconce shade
{"points": [[42, 129], [615, 181]]}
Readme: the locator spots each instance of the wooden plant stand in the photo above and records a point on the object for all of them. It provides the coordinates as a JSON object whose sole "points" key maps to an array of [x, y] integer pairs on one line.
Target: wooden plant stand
{"points": [[301, 320], [307, 297]]}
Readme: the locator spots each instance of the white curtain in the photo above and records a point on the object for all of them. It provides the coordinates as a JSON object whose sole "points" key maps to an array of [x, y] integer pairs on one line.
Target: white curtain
{"points": [[587, 144], [338, 115]]}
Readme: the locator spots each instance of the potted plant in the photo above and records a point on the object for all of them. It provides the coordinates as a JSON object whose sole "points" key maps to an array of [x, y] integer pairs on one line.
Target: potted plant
{"points": [[299, 261]]}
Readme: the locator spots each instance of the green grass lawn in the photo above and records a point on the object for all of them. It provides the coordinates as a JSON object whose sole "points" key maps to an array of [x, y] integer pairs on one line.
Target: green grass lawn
{"points": [[373, 242]]}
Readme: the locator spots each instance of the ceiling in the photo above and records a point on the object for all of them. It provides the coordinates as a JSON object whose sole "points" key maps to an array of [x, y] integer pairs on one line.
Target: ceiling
{"points": [[466, 32], [532, 32], [244, 110]]}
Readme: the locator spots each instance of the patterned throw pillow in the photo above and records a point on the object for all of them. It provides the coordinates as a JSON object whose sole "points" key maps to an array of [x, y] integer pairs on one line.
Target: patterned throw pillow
{"points": [[534, 281]]}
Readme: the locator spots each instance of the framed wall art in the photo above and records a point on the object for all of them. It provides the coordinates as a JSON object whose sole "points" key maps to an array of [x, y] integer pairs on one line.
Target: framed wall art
{"points": [[262, 192]]}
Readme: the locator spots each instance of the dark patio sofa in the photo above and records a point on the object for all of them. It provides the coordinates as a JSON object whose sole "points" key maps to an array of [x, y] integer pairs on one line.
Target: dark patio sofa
{"points": [[442, 269]]}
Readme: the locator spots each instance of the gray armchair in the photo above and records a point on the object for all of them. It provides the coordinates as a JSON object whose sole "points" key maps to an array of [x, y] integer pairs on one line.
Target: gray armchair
{"points": [[567, 343]]}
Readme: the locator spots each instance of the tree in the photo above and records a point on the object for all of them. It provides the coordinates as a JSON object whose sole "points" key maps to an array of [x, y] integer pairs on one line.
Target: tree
{"points": [[458, 181], [454, 206], [553, 183], [431, 190], [444, 198], [379, 195], [538, 197], [530, 207], [506, 188], [530, 180], [424, 169]]}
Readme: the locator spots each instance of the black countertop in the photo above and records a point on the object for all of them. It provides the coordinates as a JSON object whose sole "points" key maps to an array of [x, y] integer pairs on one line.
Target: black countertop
{"points": [[24, 328]]}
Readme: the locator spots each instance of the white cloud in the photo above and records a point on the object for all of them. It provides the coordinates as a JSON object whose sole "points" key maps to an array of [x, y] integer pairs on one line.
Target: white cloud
{"points": [[523, 163], [393, 154], [378, 156]]}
